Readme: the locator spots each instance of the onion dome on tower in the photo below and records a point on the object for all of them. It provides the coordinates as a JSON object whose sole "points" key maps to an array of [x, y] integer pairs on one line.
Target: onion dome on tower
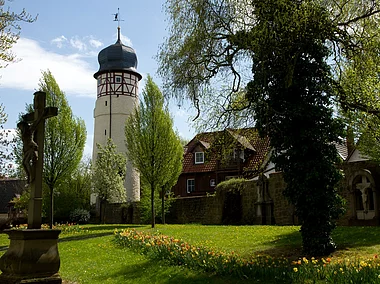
{"points": [[117, 57]]}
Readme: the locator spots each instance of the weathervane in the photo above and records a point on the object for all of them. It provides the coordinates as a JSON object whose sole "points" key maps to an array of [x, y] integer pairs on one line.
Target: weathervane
{"points": [[117, 18]]}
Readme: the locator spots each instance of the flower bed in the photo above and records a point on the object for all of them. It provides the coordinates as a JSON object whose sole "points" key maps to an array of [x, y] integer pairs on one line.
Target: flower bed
{"points": [[279, 270]]}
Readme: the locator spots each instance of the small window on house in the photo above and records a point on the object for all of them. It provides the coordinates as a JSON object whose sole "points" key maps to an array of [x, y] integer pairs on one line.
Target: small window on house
{"points": [[105, 131], [190, 186], [105, 103], [118, 79], [199, 157], [212, 182]]}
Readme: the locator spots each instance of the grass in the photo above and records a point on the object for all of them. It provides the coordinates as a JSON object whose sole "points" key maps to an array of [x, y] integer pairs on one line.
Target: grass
{"points": [[88, 254]]}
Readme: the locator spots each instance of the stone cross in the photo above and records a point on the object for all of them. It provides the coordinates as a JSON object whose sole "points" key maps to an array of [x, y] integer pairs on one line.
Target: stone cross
{"points": [[363, 187], [32, 127]]}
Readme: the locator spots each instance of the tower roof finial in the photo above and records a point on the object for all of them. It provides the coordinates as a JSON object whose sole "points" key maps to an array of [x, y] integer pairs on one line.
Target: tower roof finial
{"points": [[117, 18]]}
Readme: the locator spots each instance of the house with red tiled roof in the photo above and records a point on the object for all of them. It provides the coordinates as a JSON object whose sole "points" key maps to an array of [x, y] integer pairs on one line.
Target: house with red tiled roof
{"points": [[212, 157]]}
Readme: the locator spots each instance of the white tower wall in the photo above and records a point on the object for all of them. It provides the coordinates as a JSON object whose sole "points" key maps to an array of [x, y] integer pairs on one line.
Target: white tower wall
{"points": [[117, 99]]}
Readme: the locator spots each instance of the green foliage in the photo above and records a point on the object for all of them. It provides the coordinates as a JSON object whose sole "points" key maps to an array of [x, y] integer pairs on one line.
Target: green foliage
{"points": [[22, 202], [80, 216], [10, 31], [153, 147], [74, 193], [109, 174], [146, 203], [65, 137], [289, 93], [232, 185]]}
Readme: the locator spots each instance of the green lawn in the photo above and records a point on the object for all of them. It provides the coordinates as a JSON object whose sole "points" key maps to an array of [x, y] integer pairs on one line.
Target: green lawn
{"points": [[88, 255]]}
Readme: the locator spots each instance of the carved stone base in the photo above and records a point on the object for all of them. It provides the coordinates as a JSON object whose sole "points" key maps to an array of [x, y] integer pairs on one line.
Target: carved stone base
{"points": [[32, 257], [30, 279]]}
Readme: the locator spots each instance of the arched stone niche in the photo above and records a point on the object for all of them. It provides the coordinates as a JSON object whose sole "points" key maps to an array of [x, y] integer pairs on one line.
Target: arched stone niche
{"points": [[364, 195]]}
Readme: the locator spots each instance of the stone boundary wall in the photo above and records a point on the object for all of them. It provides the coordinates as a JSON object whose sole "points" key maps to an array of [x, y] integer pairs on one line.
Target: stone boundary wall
{"points": [[209, 209], [201, 210], [283, 212], [122, 213]]}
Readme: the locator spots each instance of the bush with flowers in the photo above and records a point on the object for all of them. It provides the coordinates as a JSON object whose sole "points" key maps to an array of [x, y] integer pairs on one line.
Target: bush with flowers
{"points": [[261, 268], [68, 228]]}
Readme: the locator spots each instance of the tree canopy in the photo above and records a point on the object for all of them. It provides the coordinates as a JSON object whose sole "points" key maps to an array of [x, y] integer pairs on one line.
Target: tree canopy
{"points": [[10, 31], [152, 145], [278, 64], [108, 176], [65, 137]]}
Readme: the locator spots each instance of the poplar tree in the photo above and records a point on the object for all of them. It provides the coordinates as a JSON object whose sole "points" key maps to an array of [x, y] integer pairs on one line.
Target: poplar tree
{"points": [[152, 145], [65, 138]]}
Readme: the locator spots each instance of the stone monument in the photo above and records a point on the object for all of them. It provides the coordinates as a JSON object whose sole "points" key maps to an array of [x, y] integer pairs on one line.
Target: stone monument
{"points": [[32, 256]]}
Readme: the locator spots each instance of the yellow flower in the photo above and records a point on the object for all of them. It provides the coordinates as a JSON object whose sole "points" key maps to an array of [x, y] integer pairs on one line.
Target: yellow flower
{"points": [[295, 269]]}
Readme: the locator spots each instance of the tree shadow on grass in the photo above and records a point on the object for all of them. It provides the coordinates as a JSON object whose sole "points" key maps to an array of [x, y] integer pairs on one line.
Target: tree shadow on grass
{"points": [[83, 237], [286, 245], [150, 272], [345, 237], [355, 237]]}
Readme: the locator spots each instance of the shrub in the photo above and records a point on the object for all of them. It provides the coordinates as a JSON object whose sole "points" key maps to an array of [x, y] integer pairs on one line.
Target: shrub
{"points": [[80, 216]]}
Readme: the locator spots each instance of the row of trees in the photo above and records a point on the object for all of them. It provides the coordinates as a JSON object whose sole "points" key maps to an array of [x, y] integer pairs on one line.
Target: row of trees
{"points": [[298, 70], [153, 147]]}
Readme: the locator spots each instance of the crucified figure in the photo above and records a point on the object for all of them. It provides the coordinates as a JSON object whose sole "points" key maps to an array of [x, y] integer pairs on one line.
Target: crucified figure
{"points": [[29, 148]]}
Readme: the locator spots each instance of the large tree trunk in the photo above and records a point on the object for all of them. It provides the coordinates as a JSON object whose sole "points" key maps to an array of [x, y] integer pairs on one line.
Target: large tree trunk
{"points": [[152, 204], [51, 208], [163, 205]]}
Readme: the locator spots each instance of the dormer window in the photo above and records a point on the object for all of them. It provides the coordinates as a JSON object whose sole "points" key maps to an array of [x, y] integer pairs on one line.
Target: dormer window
{"points": [[118, 79], [199, 157]]}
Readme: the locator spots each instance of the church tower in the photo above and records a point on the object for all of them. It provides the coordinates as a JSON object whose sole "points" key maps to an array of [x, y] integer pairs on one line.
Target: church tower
{"points": [[117, 97]]}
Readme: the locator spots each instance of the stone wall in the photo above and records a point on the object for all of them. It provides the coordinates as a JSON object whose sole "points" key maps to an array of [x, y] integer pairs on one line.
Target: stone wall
{"points": [[283, 212], [122, 213], [209, 209], [202, 210]]}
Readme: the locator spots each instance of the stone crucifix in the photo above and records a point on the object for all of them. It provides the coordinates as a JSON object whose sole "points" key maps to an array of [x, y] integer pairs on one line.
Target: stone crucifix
{"points": [[32, 128], [363, 187]]}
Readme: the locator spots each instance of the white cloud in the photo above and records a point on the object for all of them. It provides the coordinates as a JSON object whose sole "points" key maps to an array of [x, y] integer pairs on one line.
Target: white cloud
{"points": [[78, 44], [95, 43], [72, 72], [59, 41]]}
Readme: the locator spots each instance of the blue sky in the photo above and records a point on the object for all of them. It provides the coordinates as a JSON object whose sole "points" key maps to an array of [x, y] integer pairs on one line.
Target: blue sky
{"points": [[66, 39]]}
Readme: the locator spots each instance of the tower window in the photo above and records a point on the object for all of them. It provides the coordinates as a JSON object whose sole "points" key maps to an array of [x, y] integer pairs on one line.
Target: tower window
{"points": [[105, 131], [118, 79], [99, 81], [105, 103]]}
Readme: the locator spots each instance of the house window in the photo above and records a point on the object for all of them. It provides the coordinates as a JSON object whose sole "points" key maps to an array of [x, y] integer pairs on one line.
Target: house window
{"points": [[190, 187], [212, 182], [118, 79], [105, 103], [199, 158]]}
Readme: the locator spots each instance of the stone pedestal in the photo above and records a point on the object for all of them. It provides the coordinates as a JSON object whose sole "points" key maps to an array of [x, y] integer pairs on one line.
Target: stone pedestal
{"points": [[32, 257]]}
